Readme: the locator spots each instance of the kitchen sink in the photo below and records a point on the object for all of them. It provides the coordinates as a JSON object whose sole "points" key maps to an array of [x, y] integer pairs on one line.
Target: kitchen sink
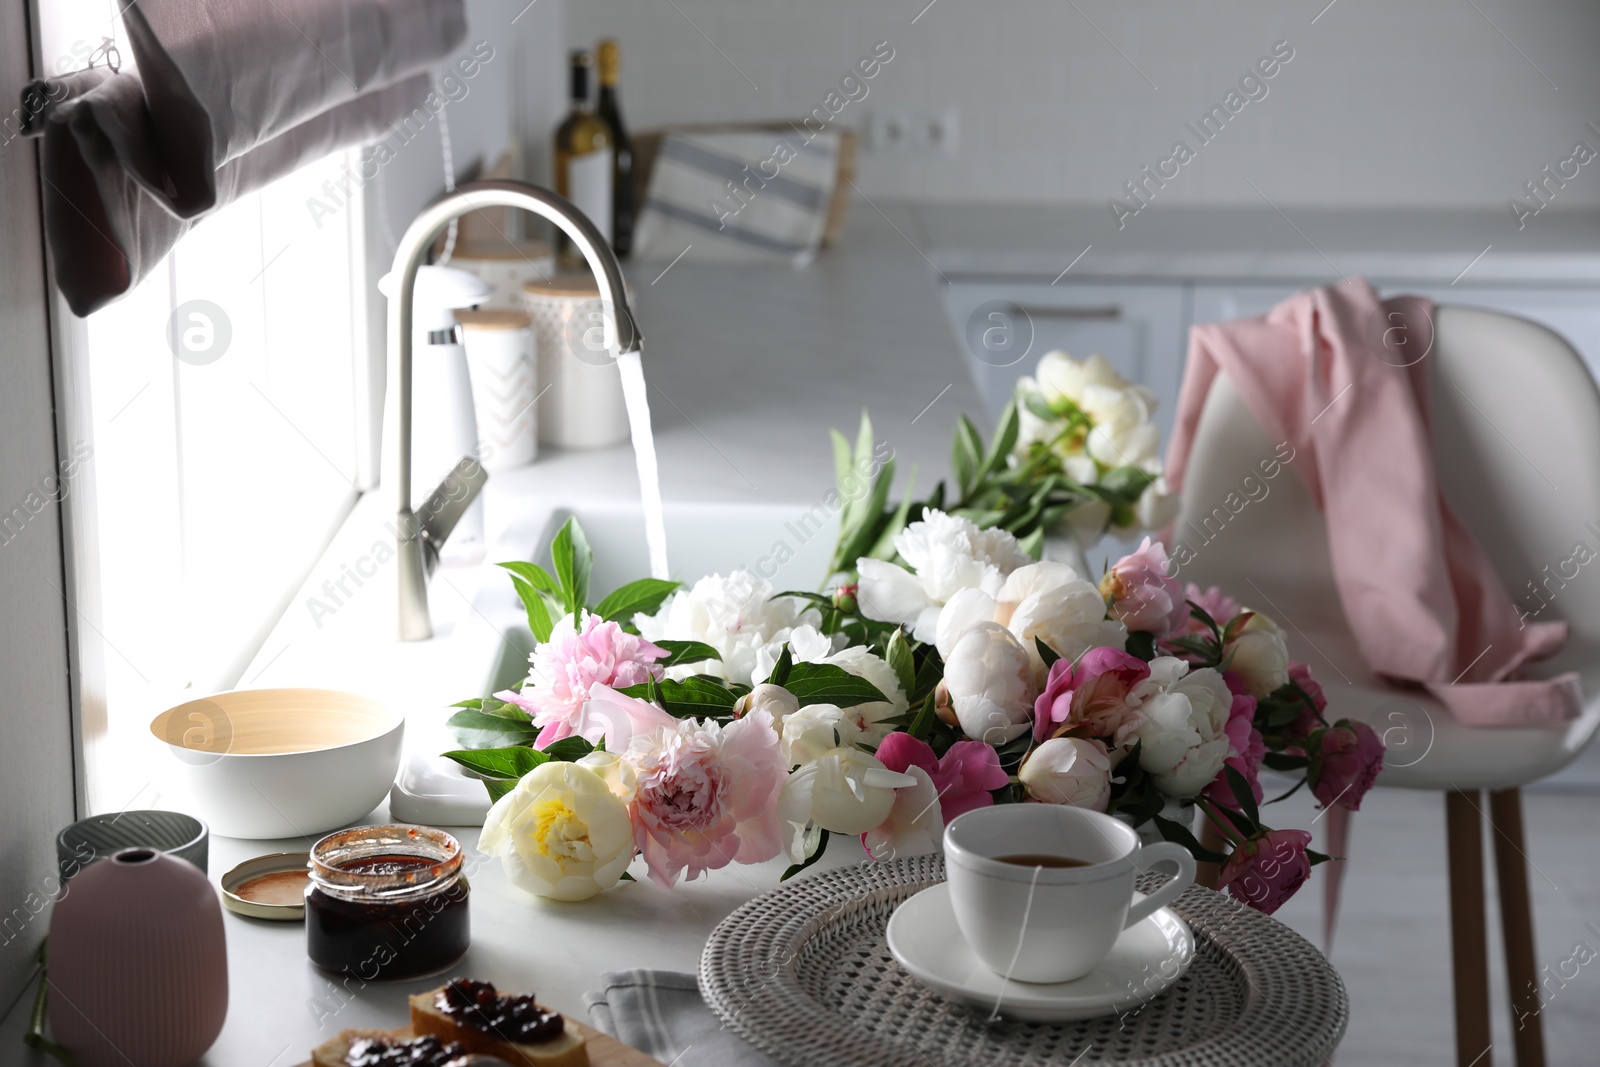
{"points": [[787, 544]]}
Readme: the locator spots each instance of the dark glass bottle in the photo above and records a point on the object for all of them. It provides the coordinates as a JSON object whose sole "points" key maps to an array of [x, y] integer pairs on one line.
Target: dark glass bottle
{"points": [[623, 209]]}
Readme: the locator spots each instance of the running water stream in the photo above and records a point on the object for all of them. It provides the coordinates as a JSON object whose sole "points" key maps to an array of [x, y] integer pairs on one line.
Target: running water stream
{"points": [[644, 456]]}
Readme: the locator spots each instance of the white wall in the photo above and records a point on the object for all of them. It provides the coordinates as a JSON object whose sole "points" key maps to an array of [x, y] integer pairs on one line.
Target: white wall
{"points": [[1397, 102]]}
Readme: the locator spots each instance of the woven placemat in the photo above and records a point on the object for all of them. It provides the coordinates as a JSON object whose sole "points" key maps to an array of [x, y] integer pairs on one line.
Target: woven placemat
{"points": [[804, 974]]}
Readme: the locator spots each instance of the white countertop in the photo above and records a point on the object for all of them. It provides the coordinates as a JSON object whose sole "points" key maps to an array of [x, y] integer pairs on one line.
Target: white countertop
{"points": [[748, 368]]}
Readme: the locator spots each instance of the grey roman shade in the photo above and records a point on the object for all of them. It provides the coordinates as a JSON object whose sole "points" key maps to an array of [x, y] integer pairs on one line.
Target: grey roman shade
{"points": [[227, 95]]}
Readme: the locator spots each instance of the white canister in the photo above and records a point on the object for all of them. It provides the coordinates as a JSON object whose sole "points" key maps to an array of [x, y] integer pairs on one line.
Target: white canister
{"points": [[507, 265], [581, 404], [500, 360]]}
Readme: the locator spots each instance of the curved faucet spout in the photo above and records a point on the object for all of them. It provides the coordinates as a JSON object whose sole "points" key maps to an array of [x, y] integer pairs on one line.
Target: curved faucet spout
{"points": [[622, 333]]}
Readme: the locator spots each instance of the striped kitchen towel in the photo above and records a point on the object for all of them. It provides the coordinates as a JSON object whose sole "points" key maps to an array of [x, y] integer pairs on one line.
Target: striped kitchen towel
{"points": [[660, 1013], [739, 196]]}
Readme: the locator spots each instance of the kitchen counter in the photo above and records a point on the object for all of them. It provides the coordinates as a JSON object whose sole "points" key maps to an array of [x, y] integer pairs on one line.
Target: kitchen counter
{"points": [[748, 368]]}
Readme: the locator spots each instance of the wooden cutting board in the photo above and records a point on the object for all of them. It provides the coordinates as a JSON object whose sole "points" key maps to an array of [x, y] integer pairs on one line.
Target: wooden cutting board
{"points": [[604, 1050]]}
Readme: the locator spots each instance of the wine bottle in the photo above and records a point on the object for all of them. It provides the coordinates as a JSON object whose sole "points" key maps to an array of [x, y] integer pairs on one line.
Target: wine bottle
{"points": [[622, 209], [584, 159]]}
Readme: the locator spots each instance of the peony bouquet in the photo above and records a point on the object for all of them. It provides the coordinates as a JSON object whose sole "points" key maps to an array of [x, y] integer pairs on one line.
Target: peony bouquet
{"points": [[1075, 455], [731, 723]]}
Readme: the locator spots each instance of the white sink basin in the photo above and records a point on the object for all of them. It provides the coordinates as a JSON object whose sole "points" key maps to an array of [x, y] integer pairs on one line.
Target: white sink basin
{"points": [[787, 544]]}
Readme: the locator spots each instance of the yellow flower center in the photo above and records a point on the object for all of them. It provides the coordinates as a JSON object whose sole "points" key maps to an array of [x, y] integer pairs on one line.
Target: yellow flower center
{"points": [[559, 833]]}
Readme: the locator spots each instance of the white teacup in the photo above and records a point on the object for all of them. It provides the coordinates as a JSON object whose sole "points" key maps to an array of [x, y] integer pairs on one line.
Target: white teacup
{"points": [[1043, 923]]}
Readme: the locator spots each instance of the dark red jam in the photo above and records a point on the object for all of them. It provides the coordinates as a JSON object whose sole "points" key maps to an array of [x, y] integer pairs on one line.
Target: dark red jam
{"points": [[387, 902], [509, 1017], [418, 1052]]}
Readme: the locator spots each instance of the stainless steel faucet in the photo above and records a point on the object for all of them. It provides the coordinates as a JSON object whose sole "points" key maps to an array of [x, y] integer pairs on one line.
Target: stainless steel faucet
{"points": [[421, 535]]}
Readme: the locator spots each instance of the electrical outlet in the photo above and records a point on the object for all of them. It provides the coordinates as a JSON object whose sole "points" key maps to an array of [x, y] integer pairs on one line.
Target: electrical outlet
{"points": [[920, 132], [936, 132], [889, 131]]}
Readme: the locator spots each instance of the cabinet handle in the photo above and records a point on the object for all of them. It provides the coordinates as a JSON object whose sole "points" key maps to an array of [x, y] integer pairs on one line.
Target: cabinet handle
{"points": [[1104, 311]]}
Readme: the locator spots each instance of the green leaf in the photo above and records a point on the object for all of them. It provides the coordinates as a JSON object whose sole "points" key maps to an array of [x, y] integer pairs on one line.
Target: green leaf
{"points": [[1281, 761], [1204, 616], [1142, 643], [783, 668], [1005, 439], [568, 749], [1046, 653], [865, 535], [498, 787], [930, 672], [479, 730], [1246, 826], [538, 609], [843, 467], [573, 562], [1292, 791], [884, 548], [1033, 544], [898, 654], [816, 598], [1175, 831], [966, 451], [923, 723], [642, 597], [681, 652], [1317, 857], [812, 857], [828, 683], [535, 576], [507, 763], [1038, 405], [691, 698]]}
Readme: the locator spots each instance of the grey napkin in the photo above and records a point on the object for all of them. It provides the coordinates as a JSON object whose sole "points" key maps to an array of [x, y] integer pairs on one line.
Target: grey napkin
{"points": [[660, 1013]]}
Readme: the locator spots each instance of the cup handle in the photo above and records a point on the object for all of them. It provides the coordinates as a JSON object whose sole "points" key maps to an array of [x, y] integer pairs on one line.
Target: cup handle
{"points": [[1148, 857]]}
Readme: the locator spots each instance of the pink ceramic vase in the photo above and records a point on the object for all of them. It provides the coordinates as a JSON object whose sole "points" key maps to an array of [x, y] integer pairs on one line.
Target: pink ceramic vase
{"points": [[138, 963]]}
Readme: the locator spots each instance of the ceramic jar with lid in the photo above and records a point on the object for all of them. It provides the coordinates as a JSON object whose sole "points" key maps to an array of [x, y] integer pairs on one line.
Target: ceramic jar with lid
{"points": [[507, 264], [500, 360], [581, 404]]}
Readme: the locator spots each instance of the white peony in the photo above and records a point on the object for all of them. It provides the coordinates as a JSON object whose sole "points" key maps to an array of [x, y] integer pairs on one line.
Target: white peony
{"points": [[946, 554], [915, 824], [563, 832], [817, 729], [775, 700], [845, 791], [808, 645], [1183, 719], [1259, 656], [1051, 603], [736, 615], [1068, 770], [990, 682]]}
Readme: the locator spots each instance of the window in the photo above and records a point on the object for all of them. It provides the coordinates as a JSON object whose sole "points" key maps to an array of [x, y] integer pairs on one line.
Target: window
{"points": [[224, 392]]}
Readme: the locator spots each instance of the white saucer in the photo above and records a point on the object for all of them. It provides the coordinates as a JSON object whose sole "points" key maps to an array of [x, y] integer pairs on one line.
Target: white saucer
{"points": [[1147, 958]]}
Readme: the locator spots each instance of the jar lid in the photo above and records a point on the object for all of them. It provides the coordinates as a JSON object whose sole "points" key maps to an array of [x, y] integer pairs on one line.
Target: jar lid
{"points": [[384, 862], [493, 319], [563, 284], [501, 248], [269, 887]]}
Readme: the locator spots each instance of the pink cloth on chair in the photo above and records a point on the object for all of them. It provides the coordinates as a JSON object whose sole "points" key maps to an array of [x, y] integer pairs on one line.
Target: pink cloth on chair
{"points": [[1420, 596]]}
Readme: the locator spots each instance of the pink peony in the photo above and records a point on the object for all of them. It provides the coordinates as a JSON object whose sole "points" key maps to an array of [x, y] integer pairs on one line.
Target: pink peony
{"points": [[1345, 760], [616, 719], [963, 777], [1266, 870], [1245, 747], [1143, 598], [577, 657], [1214, 602], [1091, 696], [707, 796], [1307, 723]]}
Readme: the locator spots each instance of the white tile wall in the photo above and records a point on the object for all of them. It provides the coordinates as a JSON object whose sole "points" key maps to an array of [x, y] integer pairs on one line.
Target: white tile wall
{"points": [[1422, 103]]}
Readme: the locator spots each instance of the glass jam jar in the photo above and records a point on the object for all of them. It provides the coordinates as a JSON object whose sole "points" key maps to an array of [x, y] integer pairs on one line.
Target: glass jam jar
{"points": [[387, 902]]}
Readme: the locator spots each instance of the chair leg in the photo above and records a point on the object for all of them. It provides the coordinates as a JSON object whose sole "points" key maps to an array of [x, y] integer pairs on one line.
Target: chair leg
{"points": [[1516, 922], [1469, 949]]}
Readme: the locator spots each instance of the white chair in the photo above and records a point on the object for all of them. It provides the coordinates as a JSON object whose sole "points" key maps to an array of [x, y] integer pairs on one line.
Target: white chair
{"points": [[1516, 426]]}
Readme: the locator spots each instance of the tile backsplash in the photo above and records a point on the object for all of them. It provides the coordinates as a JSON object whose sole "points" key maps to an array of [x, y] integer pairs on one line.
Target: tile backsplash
{"points": [[1423, 103]]}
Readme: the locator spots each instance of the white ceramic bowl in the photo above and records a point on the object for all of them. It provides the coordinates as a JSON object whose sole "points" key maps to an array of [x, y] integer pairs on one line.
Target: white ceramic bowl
{"points": [[271, 763]]}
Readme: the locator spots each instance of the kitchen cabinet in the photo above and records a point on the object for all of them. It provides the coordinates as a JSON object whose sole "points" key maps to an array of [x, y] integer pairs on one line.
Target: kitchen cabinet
{"points": [[1004, 326]]}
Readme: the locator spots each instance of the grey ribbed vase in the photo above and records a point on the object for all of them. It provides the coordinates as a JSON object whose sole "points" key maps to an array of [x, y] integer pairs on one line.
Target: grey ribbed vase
{"points": [[138, 963]]}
